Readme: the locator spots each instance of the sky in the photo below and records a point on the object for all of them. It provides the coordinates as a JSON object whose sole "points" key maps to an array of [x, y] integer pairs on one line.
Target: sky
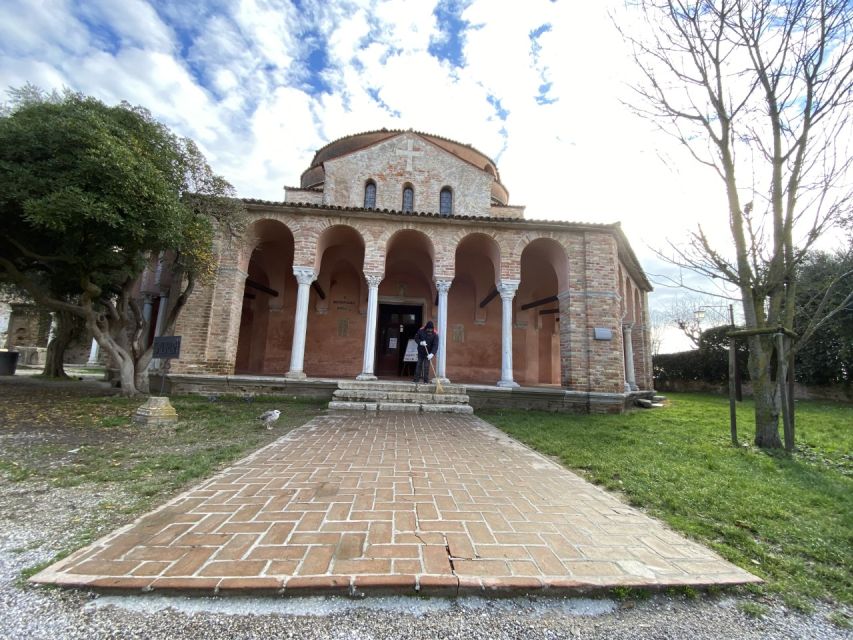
{"points": [[540, 86]]}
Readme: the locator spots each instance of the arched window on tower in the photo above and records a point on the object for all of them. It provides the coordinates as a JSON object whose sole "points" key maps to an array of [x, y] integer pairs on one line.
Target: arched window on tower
{"points": [[408, 198], [445, 202], [370, 195]]}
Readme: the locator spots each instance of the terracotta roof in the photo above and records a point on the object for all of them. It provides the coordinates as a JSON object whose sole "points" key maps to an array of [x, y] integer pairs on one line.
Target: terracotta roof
{"points": [[317, 189], [428, 214], [394, 132]]}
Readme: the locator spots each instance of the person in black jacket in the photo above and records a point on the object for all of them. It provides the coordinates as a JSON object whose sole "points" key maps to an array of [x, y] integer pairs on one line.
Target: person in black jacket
{"points": [[427, 340]]}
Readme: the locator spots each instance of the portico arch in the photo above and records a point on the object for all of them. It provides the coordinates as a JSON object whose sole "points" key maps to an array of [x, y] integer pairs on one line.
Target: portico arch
{"points": [[335, 328], [544, 275], [474, 311], [406, 298], [269, 299]]}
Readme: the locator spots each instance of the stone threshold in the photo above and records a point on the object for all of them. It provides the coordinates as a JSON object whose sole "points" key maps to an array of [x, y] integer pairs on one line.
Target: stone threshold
{"points": [[359, 586], [546, 398]]}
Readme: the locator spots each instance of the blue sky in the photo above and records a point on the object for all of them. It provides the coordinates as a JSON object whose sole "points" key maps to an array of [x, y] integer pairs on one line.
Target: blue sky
{"points": [[261, 84]]}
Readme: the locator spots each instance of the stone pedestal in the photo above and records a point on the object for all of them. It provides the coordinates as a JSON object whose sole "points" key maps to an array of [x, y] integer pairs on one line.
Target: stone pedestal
{"points": [[157, 410]]}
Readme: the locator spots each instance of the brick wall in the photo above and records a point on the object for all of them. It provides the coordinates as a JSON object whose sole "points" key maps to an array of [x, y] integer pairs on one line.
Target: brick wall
{"points": [[588, 278], [388, 165]]}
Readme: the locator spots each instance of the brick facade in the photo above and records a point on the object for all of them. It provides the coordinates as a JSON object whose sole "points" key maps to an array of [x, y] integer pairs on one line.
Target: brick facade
{"points": [[571, 277]]}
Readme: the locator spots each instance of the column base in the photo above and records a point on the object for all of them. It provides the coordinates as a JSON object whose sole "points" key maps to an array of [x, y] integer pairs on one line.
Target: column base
{"points": [[366, 377], [441, 380], [295, 375], [507, 383]]}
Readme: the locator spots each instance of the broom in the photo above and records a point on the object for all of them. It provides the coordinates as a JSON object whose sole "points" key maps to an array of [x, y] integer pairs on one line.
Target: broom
{"points": [[438, 387]]}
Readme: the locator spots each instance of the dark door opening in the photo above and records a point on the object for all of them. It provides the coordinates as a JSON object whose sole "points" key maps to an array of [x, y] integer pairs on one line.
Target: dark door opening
{"points": [[397, 324]]}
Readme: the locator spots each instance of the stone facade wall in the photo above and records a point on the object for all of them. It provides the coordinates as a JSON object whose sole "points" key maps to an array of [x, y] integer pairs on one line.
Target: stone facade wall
{"points": [[390, 167], [29, 326], [211, 323], [303, 196]]}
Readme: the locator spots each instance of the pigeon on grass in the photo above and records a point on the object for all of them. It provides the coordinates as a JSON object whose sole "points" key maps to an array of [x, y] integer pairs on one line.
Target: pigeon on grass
{"points": [[269, 417]]}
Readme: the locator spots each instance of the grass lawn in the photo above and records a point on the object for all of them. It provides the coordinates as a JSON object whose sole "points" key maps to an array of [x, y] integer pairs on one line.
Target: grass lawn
{"points": [[787, 519]]}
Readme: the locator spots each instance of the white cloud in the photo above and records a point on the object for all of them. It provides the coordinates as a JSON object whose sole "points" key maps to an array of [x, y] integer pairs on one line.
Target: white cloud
{"points": [[242, 92]]}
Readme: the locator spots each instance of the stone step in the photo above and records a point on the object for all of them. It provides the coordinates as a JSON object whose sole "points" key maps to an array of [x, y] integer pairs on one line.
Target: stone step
{"points": [[658, 398], [401, 407], [399, 396], [365, 395], [399, 386], [645, 403]]}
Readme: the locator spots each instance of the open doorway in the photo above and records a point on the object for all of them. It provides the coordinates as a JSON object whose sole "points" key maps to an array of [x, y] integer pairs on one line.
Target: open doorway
{"points": [[397, 324]]}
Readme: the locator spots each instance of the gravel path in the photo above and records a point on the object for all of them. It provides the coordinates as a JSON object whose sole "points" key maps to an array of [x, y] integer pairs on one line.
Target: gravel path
{"points": [[37, 520]]}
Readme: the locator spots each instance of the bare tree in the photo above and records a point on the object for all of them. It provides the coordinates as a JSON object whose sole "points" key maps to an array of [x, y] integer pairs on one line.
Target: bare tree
{"points": [[760, 92], [692, 314]]}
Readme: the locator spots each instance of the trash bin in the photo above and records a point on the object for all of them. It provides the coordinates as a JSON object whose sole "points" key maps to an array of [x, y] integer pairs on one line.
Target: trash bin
{"points": [[8, 362]]}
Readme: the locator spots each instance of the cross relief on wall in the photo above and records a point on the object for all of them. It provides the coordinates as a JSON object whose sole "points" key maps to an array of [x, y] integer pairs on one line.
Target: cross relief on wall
{"points": [[409, 152]]}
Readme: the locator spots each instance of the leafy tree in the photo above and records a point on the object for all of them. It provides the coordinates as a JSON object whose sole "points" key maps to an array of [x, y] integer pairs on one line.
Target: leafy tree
{"points": [[826, 281], [760, 92], [88, 193]]}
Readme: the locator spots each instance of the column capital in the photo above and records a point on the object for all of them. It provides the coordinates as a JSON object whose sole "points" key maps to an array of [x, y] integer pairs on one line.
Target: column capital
{"points": [[507, 288], [564, 295], [304, 275], [627, 326], [373, 280], [443, 285]]}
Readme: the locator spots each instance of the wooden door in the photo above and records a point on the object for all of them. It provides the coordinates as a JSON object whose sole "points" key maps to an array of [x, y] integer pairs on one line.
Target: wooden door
{"points": [[396, 324]]}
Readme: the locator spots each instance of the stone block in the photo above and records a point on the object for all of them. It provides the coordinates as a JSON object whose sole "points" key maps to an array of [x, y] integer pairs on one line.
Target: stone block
{"points": [[156, 410], [346, 406], [399, 406]]}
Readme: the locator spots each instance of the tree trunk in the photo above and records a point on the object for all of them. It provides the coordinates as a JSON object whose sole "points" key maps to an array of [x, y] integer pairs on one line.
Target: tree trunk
{"points": [[67, 327], [128, 384], [119, 356], [764, 394], [141, 378]]}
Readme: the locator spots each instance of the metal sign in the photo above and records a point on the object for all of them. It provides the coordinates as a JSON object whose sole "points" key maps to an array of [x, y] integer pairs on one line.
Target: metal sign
{"points": [[167, 347]]}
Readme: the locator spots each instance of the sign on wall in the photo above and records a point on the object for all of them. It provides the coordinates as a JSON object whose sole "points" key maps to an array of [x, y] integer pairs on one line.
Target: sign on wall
{"points": [[166, 347]]}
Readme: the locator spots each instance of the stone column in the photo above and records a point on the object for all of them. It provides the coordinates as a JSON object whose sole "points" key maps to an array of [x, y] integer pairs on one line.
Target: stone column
{"points": [[93, 352], [507, 289], [630, 379], [304, 276], [147, 306], [51, 327], [370, 327], [156, 363], [443, 287]]}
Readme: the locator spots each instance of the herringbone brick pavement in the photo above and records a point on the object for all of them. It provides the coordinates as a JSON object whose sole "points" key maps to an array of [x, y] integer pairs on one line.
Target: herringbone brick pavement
{"points": [[393, 502]]}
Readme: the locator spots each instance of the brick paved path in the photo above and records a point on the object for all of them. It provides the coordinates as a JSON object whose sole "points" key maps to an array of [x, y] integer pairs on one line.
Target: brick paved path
{"points": [[351, 502]]}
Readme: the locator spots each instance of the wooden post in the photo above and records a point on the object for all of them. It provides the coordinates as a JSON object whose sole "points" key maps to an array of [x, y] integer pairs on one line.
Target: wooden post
{"points": [[781, 370], [732, 390], [791, 378]]}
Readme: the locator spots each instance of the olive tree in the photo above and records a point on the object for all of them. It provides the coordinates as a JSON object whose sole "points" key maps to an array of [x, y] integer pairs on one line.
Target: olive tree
{"points": [[88, 193]]}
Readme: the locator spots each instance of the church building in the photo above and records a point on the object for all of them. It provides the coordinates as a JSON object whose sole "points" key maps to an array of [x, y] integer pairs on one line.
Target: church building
{"points": [[390, 229]]}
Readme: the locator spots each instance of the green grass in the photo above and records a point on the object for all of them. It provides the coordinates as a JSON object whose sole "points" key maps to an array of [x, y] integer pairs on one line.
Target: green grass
{"points": [[152, 462], [787, 519]]}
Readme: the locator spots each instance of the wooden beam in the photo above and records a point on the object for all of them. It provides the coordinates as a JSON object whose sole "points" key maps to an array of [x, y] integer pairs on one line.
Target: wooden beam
{"points": [[489, 298], [250, 296], [258, 286], [318, 289], [764, 331], [538, 303]]}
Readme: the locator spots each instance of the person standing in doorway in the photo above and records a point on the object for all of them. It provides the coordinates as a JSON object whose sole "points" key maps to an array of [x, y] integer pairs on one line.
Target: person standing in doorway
{"points": [[427, 340]]}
